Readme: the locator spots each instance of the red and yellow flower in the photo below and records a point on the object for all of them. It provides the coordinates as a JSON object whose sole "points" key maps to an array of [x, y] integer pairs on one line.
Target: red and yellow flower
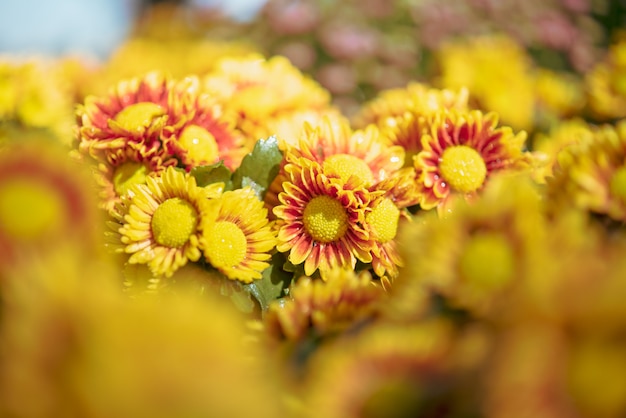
{"points": [[461, 151], [323, 307], [198, 131], [320, 219], [134, 112]]}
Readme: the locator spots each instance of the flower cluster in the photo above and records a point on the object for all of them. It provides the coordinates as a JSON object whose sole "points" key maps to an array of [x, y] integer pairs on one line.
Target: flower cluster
{"points": [[217, 237]]}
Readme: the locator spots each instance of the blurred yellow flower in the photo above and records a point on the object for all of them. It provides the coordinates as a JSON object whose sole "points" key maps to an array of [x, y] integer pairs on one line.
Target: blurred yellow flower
{"points": [[497, 72], [323, 308], [590, 174], [74, 342], [46, 199], [606, 84], [258, 90]]}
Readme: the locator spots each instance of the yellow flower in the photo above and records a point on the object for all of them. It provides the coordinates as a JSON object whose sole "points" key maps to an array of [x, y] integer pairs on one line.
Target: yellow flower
{"points": [[416, 98], [134, 112], [344, 153], [125, 167], [323, 308], [558, 94], [497, 72], [258, 90], [590, 174], [45, 200], [78, 345], [386, 370], [198, 132], [606, 84], [461, 151], [162, 225], [320, 218], [475, 255], [237, 238], [546, 146], [34, 94], [387, 214]]}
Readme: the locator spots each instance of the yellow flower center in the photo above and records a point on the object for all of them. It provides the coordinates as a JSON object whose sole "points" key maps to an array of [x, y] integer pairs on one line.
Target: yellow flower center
{"points": [[617, 184], [128, 174], [344, 166], [138, 115], [225, 245], [173, 222], [200, 144], [29, 209], [463, 168], [325, 219], [384, 220], [487, 261]]}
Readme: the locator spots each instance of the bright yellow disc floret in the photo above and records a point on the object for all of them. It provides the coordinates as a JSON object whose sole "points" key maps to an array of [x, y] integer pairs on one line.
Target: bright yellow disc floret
{"points": [[463, 168], [225, 245], [173, 222], [325, 219], [344, 166], [138, 115], [384, 220]]}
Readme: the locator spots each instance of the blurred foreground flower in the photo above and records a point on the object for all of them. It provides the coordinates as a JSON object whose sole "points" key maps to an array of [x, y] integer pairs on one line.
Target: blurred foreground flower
{"points": [[46, 200], [70, 339]]}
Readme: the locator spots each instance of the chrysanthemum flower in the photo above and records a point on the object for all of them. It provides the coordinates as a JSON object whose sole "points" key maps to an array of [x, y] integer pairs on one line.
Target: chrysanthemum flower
{"points": [[33, 94], [558, 95], [125, 167], [605, 84], [237, 238], [416, 98], [258, 90], [344, 153], [320, 218], [45, 201], [475, 255], [388, 211], [80, 347], [133, 112], [461, 151], [198, 132], [162, 225], [478, 64], [385, 370], [323, 307], [546, 146], [590, 174]]}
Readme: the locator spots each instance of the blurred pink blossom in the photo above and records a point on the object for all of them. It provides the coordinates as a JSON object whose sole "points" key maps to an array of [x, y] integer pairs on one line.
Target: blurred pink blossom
{"points": [[289, 17], [349, 42], [554, 30]]}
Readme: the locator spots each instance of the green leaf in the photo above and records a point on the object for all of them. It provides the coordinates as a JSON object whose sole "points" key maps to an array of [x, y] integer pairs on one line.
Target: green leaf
{"points": [[273, 284], [259, 168], [214, 173], [239, 295]]}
